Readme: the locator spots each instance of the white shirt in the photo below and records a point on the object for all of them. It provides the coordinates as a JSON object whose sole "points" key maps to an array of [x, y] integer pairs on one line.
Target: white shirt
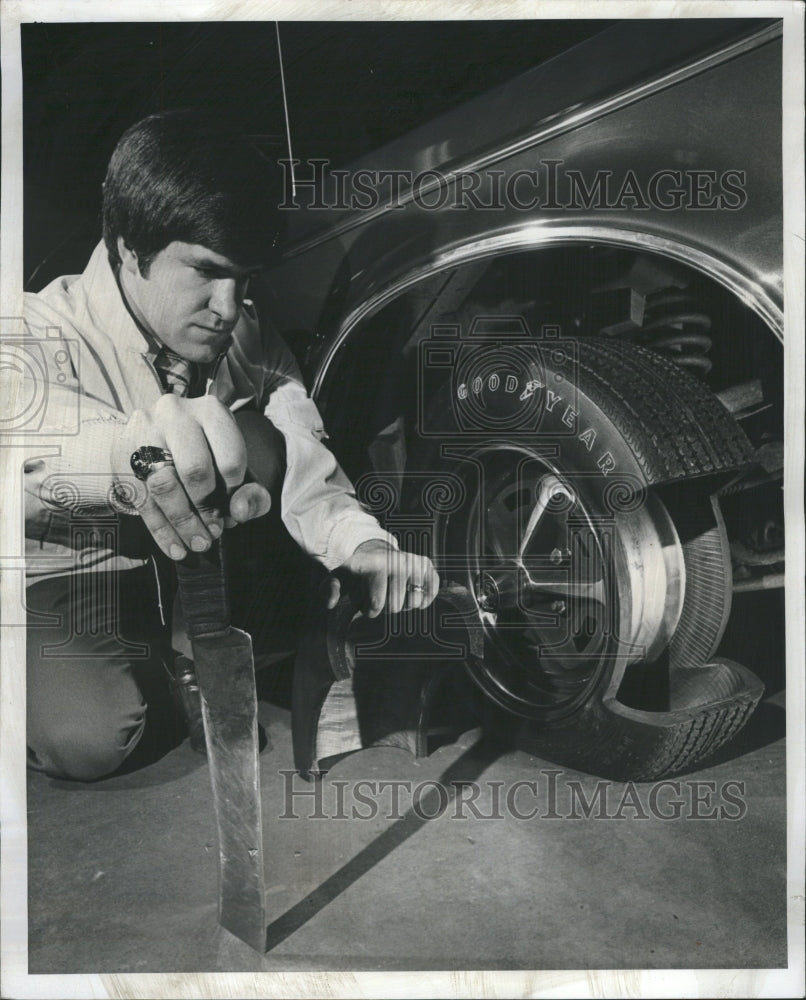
{"points": [[99, 369]]}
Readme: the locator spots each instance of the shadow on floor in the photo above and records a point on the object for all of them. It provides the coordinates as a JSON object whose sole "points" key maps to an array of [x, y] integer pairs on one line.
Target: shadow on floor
{"points": [[467, 768]]}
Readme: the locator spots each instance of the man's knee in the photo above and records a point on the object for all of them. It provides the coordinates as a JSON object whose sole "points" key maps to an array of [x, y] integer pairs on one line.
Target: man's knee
{"points": [[85, 706], [85, 753]]}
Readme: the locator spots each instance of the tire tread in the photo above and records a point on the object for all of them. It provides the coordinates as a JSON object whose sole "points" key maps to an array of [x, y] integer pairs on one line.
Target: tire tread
{"points": [[696, 435]]}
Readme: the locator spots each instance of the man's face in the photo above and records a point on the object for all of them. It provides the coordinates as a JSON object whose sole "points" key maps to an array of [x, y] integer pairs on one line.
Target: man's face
{"points": [[190, 298]]}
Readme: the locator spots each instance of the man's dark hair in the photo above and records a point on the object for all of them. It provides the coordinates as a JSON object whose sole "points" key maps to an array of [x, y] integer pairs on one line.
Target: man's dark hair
{"points": [[185, 175]]}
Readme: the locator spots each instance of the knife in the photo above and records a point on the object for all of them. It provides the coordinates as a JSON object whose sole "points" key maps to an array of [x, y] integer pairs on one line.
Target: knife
{"points": [[226, 676]]}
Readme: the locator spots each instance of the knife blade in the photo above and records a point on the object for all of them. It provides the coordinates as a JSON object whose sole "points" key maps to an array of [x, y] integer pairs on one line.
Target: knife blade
{"points": [[226, 676]]}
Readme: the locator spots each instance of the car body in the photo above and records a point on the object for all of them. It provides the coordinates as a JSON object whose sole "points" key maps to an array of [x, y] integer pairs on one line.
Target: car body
{"points": [[642, 97], [637, 172]]}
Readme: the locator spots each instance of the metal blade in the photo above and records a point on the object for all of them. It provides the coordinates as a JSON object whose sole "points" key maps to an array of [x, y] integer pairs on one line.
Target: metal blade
{"points": [[226, 675]]}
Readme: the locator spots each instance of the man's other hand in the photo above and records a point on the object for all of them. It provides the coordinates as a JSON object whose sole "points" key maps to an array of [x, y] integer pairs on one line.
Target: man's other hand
{"points": [[378, 577], [177, 505]]}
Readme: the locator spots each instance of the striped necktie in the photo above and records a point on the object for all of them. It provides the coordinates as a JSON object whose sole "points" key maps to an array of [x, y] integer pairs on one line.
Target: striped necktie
{"points": [[177, 375]]}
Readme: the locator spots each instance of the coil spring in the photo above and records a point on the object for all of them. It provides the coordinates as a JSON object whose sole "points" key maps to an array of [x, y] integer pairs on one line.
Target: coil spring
{"points": [[674, 327]]}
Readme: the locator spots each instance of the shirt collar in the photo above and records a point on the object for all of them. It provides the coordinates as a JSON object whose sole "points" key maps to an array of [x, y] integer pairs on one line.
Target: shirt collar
{"points": [[154, 344]]}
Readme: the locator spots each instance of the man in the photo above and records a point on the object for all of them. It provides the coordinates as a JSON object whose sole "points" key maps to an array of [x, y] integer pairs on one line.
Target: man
{"points": [[155, 345]]}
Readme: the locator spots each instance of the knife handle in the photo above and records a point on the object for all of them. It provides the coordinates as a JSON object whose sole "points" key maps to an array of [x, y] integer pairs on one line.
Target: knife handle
{"points": [[203, 591]]}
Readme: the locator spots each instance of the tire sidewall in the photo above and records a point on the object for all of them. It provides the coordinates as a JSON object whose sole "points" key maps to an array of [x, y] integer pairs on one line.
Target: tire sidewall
{"points": [[568, 431]]}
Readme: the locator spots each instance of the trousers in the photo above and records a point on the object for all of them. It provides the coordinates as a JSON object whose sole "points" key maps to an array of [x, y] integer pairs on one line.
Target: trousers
{"points": [[99, 643], [99, 649], [96, 641]]}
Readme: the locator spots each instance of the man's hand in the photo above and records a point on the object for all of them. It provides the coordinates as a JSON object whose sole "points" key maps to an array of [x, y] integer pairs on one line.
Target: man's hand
{"points": [[175, 504], [379, 576]]}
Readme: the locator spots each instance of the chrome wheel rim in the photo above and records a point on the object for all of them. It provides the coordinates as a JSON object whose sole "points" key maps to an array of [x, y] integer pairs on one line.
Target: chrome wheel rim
{"points": [[563, 588]]}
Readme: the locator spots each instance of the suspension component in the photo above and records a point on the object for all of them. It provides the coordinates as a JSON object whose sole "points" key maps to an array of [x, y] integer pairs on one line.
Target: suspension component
{"points": [[674, 327], [658, 314]]}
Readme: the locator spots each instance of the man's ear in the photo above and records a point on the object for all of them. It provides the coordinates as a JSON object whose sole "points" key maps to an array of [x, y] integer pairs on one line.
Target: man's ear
{"points": [[128, 257]]}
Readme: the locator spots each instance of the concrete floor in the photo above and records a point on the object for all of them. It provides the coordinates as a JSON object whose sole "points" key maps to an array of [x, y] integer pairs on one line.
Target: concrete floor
{"points": [[123, 874]]}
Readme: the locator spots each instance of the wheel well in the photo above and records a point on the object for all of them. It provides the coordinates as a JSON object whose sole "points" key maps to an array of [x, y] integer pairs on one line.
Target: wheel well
{"points": [[581, 290], [375, 385]]}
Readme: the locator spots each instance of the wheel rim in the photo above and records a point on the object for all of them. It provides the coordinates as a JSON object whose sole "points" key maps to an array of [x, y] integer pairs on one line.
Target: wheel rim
{"points": [[562, 591]]}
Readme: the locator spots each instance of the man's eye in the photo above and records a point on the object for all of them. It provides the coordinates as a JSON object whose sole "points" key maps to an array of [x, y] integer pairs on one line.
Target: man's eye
{"points": [[213, 274]]}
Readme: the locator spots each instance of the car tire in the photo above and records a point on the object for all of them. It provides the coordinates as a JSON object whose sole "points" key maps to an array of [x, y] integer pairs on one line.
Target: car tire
{"points": [[587, 527]]}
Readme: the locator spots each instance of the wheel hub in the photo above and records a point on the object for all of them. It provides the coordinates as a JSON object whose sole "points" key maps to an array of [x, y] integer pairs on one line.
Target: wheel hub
{"points": [[558, 589], [487, 593]]}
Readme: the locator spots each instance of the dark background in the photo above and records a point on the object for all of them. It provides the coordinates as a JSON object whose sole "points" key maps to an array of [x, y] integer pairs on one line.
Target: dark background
{"points": [[351, 87]]}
